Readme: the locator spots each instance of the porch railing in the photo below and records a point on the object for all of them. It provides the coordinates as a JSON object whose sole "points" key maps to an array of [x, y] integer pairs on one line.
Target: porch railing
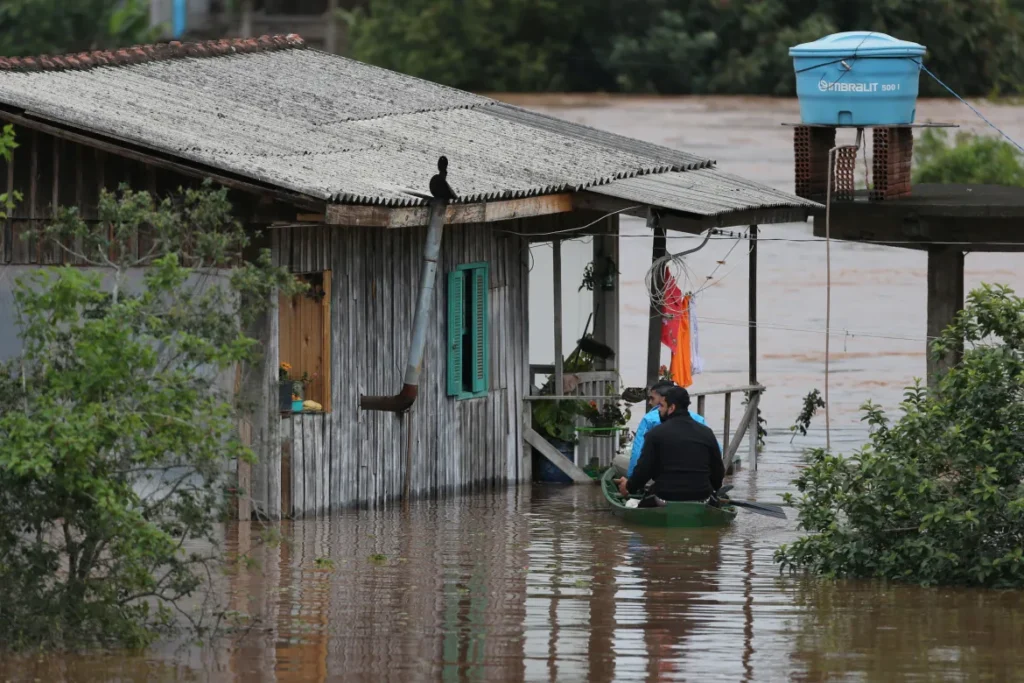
{"points": [[593, 386]]}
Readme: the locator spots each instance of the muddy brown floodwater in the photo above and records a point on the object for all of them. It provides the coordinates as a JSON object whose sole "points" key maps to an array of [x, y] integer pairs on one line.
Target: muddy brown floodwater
{"points": [[541, 583]]}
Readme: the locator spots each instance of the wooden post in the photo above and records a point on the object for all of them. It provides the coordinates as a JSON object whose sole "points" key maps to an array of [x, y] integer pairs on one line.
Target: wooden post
{"points": [[331, 29], [606, 302], [725, 431], [752, 335], [246, 28], [945, 300], [8, 238], [556, 268], [260, 387], [654, 324], [272, 409]]}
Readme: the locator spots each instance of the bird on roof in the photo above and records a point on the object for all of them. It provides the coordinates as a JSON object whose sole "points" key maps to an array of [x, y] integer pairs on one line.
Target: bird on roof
{"points": [[439, 186]]}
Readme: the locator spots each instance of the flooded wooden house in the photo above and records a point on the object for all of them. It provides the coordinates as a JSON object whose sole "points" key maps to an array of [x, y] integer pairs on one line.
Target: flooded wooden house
{"points": [[415, 329]]}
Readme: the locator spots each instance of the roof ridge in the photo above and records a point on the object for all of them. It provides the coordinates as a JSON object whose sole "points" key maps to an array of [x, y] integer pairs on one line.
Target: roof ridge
{"points": [[154, 52]]}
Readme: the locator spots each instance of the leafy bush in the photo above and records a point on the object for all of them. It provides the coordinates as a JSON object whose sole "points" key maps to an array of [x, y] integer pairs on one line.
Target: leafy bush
{"points": [[971, 159], [115, 438], [935, 497]]}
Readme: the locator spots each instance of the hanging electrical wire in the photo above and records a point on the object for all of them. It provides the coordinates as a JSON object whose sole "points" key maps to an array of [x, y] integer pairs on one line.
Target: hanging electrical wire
{"points": [[668, 271]]}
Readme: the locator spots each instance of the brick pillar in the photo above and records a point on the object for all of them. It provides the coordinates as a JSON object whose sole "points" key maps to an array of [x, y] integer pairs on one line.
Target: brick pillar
{"points": [[893, 153], [811, 146]]}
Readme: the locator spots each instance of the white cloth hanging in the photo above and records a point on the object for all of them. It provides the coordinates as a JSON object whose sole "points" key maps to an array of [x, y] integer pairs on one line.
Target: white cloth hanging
{"points": [[696, 361]]}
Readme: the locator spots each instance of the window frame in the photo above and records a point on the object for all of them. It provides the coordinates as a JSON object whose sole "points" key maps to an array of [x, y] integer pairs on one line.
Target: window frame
{"points": [[325, 332], [468, 290]]}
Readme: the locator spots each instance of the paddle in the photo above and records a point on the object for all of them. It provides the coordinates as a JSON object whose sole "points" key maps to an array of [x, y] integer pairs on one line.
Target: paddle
{"points": [[724, 490], [760, 508]]}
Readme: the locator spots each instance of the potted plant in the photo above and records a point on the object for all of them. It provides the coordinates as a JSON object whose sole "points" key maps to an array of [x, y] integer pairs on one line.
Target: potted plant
{"points": [[608, 418], [556, 422], [602, 276], [291, 388]]}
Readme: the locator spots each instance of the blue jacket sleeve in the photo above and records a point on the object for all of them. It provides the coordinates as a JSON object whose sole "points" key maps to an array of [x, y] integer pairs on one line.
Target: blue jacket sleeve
{"points": [[638, 444]]}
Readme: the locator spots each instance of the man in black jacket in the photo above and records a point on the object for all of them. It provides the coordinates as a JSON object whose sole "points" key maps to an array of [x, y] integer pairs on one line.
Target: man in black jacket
{"points": [[680, 455]]}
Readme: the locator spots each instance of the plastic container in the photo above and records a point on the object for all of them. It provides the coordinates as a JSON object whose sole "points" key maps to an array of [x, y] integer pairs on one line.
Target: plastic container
{"points": [[297, 406], [857, 78], [545, 471]]}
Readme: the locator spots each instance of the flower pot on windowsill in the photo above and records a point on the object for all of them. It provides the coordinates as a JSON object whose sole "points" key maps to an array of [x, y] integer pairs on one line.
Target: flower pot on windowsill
{"points": [[297, 406]]}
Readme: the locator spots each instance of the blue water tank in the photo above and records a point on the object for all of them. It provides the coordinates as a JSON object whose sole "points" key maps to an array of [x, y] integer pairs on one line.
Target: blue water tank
{"points": [[857, 78]]}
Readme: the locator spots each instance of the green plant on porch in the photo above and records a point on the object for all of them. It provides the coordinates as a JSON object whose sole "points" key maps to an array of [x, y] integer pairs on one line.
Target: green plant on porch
{"points": [[936, 496], [556, 419], [116, 437], [609, 414], [602, 277]]}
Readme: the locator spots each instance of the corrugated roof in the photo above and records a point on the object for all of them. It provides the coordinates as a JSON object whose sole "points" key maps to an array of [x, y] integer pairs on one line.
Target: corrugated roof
{"points": [[330, 127], [704, 192]]}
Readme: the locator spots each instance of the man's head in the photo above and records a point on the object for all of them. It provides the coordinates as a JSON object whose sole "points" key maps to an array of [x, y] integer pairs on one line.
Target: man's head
{"points": [[676, 400], [656, 394]]}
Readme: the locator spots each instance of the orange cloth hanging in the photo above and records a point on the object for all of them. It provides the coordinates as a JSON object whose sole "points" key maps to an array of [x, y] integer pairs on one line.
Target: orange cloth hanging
{"points": [[682, 363], [675, 331]]}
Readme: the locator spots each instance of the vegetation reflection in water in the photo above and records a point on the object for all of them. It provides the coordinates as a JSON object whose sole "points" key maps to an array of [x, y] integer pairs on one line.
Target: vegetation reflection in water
{"points": [[543, 584]]}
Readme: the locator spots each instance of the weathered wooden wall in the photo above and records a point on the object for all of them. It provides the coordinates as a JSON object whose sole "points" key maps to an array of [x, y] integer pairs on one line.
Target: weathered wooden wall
{"points": [[456, 445], [50, 172]]}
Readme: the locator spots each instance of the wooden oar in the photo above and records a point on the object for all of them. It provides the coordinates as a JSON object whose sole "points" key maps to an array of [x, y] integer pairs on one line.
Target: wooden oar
{"points": [[760, 508]]}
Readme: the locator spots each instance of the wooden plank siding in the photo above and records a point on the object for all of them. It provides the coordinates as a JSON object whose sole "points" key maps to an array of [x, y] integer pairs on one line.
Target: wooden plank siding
{"points": [[51, 172], [359, 459]]}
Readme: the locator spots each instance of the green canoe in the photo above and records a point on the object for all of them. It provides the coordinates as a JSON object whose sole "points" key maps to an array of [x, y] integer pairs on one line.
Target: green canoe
{"points": [[680, 515]]}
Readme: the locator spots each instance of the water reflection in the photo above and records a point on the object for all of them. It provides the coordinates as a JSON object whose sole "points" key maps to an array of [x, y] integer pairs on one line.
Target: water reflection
{"points": [[543, 584]]}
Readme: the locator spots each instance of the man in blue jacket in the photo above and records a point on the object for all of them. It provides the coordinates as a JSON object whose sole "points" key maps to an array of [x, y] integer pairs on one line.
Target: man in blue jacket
{"points": [[656, 396]]}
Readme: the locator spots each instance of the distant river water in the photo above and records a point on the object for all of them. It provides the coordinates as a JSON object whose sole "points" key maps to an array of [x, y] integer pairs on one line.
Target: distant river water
{"points": [[540, 583]]}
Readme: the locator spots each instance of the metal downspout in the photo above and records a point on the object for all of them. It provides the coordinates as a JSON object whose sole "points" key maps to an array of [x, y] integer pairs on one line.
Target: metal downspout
{"points": [[403, 400]]}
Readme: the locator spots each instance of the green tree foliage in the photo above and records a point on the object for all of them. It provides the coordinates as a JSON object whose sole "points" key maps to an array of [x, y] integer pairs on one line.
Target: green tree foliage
{"points": [[972, 159], [115, 436], [34, 27], [7, 146], [937, 496], [675, 46]]}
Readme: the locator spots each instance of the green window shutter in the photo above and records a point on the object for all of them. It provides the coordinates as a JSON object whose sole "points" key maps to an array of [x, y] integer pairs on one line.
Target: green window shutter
{"points": [[456, 325], [480, 329]]}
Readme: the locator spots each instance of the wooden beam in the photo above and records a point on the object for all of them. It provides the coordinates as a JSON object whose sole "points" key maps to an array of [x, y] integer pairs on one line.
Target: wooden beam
{"points": [[741, 430], [563, 463], [680, 221], [8, 238], [654, 322], [752, 331], [945, 300], [556, 268], [487, 212], [605, 303], [331, 27], [154, 158], [995, 234]]}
